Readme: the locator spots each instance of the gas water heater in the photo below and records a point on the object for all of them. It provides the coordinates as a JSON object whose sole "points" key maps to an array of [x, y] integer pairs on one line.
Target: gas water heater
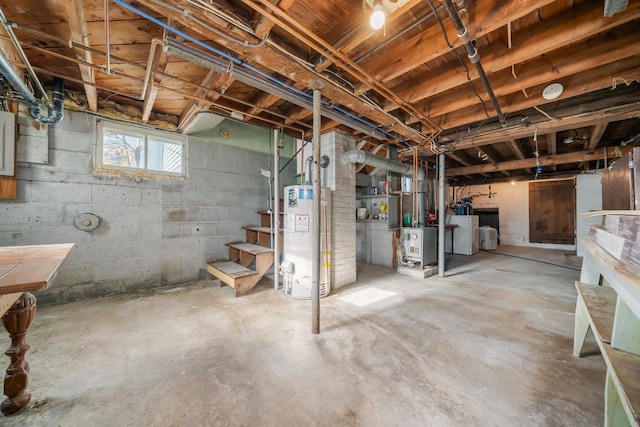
{"points": [[296, 267]]}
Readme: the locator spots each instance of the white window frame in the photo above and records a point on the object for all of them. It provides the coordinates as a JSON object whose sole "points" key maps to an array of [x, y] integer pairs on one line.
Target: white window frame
{"points": [[144, 133]]}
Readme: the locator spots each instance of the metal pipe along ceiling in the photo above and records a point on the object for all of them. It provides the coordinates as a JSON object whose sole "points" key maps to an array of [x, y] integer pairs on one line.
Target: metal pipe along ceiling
{"points": [[35, 108], [474, 57], [237, 72], [366, 158]]}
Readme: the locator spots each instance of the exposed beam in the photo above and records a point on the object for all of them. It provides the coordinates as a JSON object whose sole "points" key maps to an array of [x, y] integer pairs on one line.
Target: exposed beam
{"points": [[515, 148], [552, 146], [361, 33], [490, 156], [159, 63], [603, 55], [265, 25], [625, 106], [543, 38], [460, 160], [488, 16], [558, 159], [79, 34], [266, 57], [596, 135]]}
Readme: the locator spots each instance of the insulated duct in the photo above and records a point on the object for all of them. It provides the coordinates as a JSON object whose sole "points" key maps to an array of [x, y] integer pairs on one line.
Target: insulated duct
{"points": [[35, 108], [366, 158]]}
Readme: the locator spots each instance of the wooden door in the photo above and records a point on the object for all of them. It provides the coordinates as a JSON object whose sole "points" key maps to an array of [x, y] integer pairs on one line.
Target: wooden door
{"points": [[616, 185], [552, 207]]}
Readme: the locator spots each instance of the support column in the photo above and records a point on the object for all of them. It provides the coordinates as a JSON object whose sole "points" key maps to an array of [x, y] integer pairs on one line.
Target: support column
{"points": [[17, 321], [317, 210], [276, 211], [441, 215]]}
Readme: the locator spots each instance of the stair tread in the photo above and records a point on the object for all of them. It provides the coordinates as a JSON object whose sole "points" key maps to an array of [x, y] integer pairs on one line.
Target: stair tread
{"points": [[249, 248], [232, 269], [259, 229]]}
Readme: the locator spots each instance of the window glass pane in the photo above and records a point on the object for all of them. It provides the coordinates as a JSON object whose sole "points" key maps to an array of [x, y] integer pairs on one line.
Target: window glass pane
{"points": [[164, 156], [120, 149]]}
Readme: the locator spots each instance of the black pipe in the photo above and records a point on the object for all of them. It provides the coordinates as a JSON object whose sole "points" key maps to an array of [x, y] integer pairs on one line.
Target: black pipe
{"points": [[56, 113], [474, 57]]}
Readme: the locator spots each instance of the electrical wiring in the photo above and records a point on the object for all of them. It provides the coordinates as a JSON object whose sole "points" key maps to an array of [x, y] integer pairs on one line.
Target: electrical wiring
{"points": [[466, 69]]}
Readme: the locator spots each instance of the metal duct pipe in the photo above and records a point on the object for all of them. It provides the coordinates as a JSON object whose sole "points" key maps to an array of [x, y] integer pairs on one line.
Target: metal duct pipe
{"points": [[366, 158], [307, 170], [474, 56], [9, 74], [35, 108], [23, 57]]}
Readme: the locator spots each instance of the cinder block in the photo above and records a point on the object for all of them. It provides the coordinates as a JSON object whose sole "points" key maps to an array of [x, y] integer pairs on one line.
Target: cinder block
{"points": [[70, 140], [181, 214], [32, 213], [171, 230], [60, 193], [199, 229], [198, 198], [228, 200], [171, 197], [213, 214], [116, 194]]}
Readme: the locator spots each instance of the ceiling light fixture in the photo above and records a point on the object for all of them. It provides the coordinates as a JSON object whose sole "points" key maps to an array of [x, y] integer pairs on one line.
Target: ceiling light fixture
{"points": [[552, 91], [377, 17]]}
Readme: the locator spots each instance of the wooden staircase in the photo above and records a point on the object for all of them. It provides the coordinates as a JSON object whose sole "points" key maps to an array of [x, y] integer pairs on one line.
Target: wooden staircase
{"points": [[248, 261]]}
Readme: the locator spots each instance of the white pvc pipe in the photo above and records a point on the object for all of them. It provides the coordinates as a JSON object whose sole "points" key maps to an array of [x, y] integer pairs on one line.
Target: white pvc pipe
{"points": [[276, 212], [441, 216]]}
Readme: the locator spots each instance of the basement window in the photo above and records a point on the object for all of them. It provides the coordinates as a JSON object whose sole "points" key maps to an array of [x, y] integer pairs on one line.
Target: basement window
{"points": [[129, 148]]}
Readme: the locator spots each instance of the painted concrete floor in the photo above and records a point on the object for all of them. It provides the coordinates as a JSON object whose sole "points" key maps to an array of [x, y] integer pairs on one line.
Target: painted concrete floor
{"points": [[489, 345]]}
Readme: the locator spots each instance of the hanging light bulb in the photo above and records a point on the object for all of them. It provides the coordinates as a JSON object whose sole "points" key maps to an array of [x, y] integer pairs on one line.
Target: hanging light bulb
{"points": [[377, 17]]}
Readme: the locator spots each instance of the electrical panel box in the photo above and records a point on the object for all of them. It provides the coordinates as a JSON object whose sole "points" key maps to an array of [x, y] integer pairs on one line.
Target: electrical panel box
{"points": [[7, 143]]}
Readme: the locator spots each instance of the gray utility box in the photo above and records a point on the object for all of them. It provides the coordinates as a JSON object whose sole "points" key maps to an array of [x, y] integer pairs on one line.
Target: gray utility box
{"points": [[420, 245]]}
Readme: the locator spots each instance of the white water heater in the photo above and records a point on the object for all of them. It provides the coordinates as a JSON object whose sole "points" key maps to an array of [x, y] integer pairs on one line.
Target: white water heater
{"points": [[296, 267]]}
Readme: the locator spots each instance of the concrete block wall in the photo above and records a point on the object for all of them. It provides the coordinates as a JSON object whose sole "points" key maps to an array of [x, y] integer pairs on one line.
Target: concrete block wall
{"points": [[153, 232], [340, 178]]}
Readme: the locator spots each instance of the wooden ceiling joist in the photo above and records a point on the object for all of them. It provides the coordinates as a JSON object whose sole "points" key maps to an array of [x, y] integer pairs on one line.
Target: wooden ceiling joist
{"points": [[407, 56], [538, 42], [558, 159], [78, 33]]}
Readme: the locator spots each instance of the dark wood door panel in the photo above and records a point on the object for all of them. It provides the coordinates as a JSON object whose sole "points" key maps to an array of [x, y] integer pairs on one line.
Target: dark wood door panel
{"points": [[552, 207]]}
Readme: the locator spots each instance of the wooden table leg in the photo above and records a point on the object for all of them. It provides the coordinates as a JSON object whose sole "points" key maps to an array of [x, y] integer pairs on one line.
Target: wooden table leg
{"points": [[16, 321]]}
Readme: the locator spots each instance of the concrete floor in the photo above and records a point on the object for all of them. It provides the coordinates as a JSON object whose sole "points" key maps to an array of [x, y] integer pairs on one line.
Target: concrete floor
{"points": [[489, 345]]}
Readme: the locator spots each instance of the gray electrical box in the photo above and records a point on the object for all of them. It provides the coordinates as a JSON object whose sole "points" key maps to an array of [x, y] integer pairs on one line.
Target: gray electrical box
{"points": [[420, 245]]}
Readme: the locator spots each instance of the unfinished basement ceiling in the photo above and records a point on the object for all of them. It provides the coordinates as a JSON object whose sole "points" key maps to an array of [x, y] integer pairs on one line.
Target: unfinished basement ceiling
{"points": [[400, 85]]}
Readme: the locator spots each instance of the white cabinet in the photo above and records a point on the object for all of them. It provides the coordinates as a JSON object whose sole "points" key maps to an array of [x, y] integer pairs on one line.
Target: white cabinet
{"points": [[465, 236]]}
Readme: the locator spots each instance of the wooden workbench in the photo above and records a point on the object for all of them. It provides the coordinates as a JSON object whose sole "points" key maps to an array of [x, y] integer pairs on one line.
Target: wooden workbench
{"points": [[23, 269]]}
